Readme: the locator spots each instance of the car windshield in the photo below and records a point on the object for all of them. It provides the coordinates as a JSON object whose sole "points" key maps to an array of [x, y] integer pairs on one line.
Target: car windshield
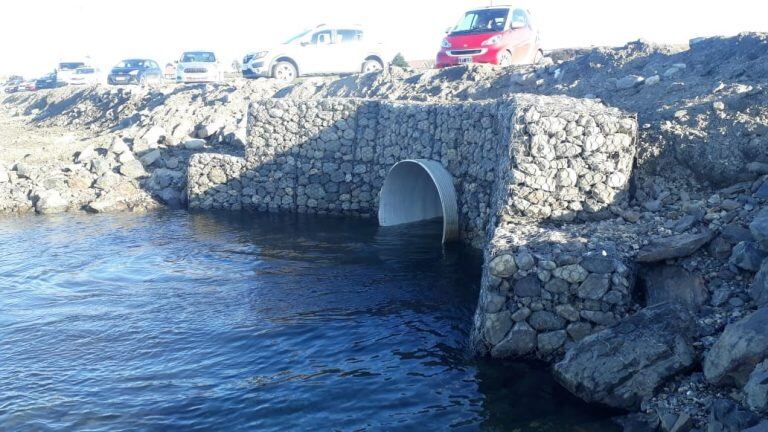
{"points": [[297, 37], [198, 56], [131, 64], [85, 71], [482, 21], [70, 66]]}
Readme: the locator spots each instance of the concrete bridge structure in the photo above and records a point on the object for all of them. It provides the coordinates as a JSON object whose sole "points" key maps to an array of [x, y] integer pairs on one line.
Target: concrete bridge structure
{"points": [[502, 174]]}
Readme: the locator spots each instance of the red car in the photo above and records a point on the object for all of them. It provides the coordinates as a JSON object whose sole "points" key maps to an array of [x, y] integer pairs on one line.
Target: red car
{"points": [[500, 35]]}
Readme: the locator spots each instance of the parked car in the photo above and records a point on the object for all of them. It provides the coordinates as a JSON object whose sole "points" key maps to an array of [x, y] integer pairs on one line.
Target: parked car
{"points": [[13, 83], [135, 71], [66, 70], [500, 35], [320, 50], [48, 82], [85, 76], [198, 66]]}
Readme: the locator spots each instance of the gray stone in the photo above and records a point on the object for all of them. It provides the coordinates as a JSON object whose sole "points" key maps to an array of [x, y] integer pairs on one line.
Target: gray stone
{"points": [[520, 342], [629, 81], [568, 312], [726, 416], [740, 347], [529, 286], [496, 326], [719, 248], [756, 389], [503, 266], [50, 201], [133, 169], [664, 283], [150, 157], [598, 317], [545, 321], [521, 314], [598, 264], [194, 144], [638, 422], [118, 146], [86, 154], [759, 289], [747, 256], [759, 228], [579, 330], [572, 273], [594, 286], [524, 260], [549, 342], [760, 427], [150, 140], [677, 246], [623, 365]]}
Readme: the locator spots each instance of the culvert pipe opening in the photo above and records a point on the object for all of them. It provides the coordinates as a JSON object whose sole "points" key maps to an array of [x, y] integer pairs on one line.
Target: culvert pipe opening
{"points": [[417, 190]]}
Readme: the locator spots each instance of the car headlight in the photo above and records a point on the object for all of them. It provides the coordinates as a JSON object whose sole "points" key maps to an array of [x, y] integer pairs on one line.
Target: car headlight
{"points": [[133, 72], [492, 41], [445, 43]]}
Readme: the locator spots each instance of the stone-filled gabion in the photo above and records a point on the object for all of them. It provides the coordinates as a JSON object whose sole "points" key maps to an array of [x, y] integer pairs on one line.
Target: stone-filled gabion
{"points": [[558, 157]]}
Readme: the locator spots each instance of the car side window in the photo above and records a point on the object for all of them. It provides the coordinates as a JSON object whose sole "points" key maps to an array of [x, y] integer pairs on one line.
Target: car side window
{"points": [[322, 37], [519, 16], [347, 36]]}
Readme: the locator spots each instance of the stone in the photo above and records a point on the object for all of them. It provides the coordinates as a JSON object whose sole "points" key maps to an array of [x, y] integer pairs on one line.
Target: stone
{"points": [[107, 181], [549, 342], [741, 346], [638, 422], [524, 260], [747, 256], [503, 266], [594, 286], [529, 286], [677, 246], [99, 166], [719, 248], [118, 146], [496, 326], [50, 201], [86, 154], [132, 169], [598, 264], [545, 321], [652, 80], [664, 283], [24, 170], [568, 312], [629, 81], [759, 228], [756, 389], [4, 178], [623, 365], [760, 427], [725, 415], [683, 423], [150, 157], [194, 144], [106, 203], [208, 130], [572, 273], [557, 286], [579, 330], [150, 140], [520, 342], [759, 289]]}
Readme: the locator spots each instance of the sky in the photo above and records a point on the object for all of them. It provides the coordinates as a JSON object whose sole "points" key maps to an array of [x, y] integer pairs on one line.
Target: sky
{"points": [[37, 34]]}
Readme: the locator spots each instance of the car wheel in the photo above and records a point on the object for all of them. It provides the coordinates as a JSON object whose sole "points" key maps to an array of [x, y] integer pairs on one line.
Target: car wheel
{"points": [[372, 66], [284, 71], [505, 59], [538, 57]]}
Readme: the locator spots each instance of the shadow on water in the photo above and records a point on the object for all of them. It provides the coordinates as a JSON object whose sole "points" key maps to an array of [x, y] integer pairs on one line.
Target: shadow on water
{"points": [[248, 321]]}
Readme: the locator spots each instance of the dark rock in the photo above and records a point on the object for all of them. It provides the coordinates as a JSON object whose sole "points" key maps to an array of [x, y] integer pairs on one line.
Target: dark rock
{"points": [[546, 321], [520, 341], [557, 286], [747, 256], [760, 427], [756, 390], [759, 289], [579, 330], [735, 234], [594, 286], [678, 246], [664, 283], [623, 365], [598, 264], [549, 342], [529, 286], [759, 228], [719, 248], [742, 345], [726, 414]]}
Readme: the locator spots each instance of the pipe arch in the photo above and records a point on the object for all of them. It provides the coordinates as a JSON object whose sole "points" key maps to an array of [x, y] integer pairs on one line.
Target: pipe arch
{"points": [[416, 190]]}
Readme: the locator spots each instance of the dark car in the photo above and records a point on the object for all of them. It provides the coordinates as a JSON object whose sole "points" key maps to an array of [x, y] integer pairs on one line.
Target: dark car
{"points": [[135, 71], [47, 82]]}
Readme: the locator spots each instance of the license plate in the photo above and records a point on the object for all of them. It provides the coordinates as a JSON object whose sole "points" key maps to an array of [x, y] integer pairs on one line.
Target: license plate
{"points": [[464, 60]]}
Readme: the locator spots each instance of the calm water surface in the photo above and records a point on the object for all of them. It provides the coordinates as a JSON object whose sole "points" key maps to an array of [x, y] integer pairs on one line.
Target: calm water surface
{"points": [[177, 321]]}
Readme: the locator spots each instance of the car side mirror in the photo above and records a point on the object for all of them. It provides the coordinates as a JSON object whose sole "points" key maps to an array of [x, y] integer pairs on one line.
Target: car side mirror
{"points": [[517, 25]]}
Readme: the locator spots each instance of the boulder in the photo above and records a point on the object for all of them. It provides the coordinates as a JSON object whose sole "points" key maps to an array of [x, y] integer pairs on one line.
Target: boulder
{"points": [[629, 82], [50, 201], [727, 416], [118, 146], [24, 170], [623, 365], [208, 130], [86, 154], [747, 256], [194, 144], [529, 286], [759, 228], [150, 140], [678, 246], [739, 349], [667, 283], [150, 157], [106, 203], [133, 169], [503, 266], [759, 289], [756, 390], [520, 342]]}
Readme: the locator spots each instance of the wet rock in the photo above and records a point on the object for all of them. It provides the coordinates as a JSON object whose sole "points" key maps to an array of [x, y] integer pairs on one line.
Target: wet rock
{"points": [[756, 389], [740, 347], [520, 342], [622, 365], [666, 283], [503, 266], [747, 256], [50, 201], [678, 246]]}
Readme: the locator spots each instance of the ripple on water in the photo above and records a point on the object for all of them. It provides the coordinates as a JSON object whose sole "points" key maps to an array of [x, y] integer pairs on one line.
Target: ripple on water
{"points": [[252, 322]]}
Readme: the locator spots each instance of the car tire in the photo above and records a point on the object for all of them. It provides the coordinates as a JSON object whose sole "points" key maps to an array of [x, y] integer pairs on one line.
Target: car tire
{"points": [[371, 66], [505, 58], [285, 71]]}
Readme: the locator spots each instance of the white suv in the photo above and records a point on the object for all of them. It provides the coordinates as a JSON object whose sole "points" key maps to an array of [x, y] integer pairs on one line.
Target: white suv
{"points": [[321, 50], [198, 66]]}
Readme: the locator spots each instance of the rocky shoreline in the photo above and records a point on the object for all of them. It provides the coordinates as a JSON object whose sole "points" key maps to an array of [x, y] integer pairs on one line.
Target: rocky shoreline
{"points": [[657, 304]]}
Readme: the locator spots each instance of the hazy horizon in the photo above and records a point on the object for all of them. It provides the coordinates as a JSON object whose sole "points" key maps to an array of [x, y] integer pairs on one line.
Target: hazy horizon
{"points": [[108, 33]]}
